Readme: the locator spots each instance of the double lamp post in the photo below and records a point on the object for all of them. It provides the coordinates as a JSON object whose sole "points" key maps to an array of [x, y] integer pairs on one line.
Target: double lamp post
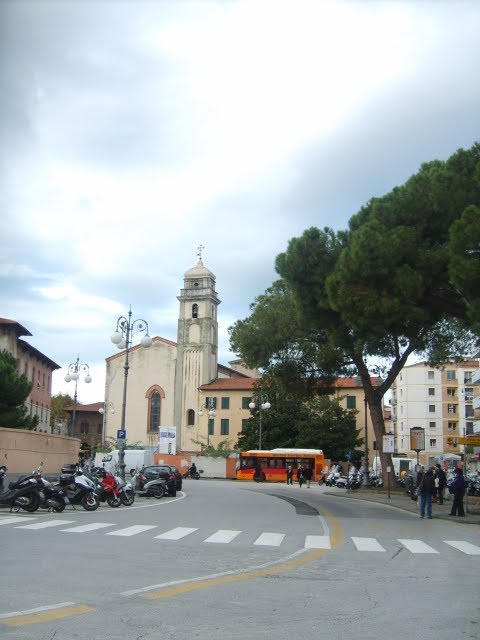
{"points": [[73, 373], [122, 337], [264, 404]]}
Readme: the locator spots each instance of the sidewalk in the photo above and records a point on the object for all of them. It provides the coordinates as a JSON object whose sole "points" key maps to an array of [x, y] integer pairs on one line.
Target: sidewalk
{"points": [[400, 500]]}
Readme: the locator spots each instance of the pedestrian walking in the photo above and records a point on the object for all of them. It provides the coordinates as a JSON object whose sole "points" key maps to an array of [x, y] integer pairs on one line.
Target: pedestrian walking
{"points": [[300, 475], [458, 493], [440, 482], [418, 482], [308, 476], [289, 474], [425, 492]]}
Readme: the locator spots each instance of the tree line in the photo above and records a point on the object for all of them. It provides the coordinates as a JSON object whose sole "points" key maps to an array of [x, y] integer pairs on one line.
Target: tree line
{"points": [[403, 278]]}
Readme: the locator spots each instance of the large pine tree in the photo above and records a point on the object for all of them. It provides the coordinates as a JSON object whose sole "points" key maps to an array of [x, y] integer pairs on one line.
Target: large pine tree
{"points": [[14, 390]]}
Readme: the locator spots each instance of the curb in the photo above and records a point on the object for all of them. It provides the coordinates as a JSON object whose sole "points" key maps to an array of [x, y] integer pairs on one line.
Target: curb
{"points": [[470, 518]]}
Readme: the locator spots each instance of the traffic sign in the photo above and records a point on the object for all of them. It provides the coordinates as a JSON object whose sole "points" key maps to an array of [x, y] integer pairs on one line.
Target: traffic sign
{"points": [[472, 441], [121, 434]]}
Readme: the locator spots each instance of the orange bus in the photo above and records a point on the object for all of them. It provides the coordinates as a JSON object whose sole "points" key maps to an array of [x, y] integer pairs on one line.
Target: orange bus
{"points": [[271, 466]]}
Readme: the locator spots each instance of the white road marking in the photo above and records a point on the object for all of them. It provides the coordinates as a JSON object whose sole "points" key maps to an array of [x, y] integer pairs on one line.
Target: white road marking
{"points": [[416, 546], [14, 519], [177, 533], [223, 536], [89, 527], [270, 539], [45, 525], [173, 583], [367, 544], [317, 542], [464, 547], [132, 531], [27, 612]]}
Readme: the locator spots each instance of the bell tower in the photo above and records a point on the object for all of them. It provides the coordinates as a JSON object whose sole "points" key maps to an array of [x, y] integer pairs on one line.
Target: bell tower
{"points": [[197, 345]]}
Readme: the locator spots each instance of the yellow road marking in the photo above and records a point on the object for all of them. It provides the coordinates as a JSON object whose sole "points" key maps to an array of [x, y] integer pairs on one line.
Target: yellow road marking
{"points": [[46, 616], [169, 592]]}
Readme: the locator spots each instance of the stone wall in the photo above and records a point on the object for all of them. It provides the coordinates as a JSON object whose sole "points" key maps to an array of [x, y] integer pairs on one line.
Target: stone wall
{"points": [[22, 451]]}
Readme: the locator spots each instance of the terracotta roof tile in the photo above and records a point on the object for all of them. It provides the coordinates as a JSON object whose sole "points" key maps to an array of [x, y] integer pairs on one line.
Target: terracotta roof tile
{"points": [[229, 384]]}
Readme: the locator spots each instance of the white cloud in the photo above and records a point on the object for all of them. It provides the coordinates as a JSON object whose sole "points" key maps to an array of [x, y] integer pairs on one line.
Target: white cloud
{"points": [[131, 134]]}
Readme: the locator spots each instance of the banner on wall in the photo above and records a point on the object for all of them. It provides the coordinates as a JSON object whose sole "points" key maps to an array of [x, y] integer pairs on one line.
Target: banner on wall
{"points": [[167, 440]]}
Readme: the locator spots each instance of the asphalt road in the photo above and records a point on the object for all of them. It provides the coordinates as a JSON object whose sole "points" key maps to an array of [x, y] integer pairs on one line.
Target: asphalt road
{"points": [[235, 560]]}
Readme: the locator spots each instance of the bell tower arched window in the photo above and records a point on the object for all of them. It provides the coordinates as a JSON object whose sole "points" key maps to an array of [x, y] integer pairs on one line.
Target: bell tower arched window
{"points": [[194, 310]]}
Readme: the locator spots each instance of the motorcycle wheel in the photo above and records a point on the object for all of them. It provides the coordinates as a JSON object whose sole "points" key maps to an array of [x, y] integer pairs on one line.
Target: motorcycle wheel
{"points": [[34, 503], [113, 501], [60, 506], [90, 501], [127, 497], [157, 492]]}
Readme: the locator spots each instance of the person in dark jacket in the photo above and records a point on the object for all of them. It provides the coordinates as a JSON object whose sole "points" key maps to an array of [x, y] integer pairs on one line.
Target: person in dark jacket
{"points": [[300, 475], [458, 493], [440, 482], [289, 474], [425, 491], [307, 472]]}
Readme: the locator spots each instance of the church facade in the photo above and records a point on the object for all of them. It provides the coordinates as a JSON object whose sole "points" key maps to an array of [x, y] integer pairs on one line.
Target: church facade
{"points": [[173, 384]]}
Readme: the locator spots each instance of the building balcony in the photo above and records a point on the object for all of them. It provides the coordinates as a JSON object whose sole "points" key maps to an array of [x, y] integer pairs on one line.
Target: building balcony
{"points": [[475, 377]]}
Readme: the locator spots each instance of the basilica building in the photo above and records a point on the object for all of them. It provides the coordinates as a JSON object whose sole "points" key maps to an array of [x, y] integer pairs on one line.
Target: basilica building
{"points": [[180, 384]]}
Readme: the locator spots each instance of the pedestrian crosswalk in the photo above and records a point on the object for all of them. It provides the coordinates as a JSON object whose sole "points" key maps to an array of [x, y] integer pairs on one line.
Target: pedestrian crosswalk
{"points": [[228, 536]]}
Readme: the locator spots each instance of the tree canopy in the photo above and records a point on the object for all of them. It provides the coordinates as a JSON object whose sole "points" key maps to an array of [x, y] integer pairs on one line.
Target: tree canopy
{"points": [[297, 420], [14, 390], [402, 279], [57, 408]]}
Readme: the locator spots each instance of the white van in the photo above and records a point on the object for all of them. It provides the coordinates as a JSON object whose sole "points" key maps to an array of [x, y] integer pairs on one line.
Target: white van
{"points": [[399, 465], [133, 459]]}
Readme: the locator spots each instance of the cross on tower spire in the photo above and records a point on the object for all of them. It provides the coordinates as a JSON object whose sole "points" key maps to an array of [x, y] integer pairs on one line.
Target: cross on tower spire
{"points": [[200, 249]]}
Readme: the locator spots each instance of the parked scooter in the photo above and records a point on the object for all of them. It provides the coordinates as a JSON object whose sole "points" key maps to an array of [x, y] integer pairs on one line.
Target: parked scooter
{"points": [[112, 489], [151, 489], [78, 489], [332, 477], [21, 494], [51, 497]]}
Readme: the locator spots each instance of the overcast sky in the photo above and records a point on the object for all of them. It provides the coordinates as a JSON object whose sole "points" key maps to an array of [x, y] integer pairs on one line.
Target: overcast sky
{"points": [[132, 132]]}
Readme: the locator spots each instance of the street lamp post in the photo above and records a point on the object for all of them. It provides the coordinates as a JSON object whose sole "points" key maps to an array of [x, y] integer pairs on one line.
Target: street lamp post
{"points": [[264, 404], [73, 373], [107, 407], [122, 337], [366, 474], [209, 406]]}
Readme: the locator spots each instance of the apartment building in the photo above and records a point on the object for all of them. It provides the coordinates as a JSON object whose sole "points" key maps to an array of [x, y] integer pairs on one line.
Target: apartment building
{"points": [[36, 367], [441, 400], [230, 399]]}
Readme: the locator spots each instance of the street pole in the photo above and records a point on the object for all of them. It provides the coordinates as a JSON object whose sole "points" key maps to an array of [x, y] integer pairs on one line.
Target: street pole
{"points": [[73, 373], [122, 337], [262, 405], [103, 410], [211, 413], [366, 474]]}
